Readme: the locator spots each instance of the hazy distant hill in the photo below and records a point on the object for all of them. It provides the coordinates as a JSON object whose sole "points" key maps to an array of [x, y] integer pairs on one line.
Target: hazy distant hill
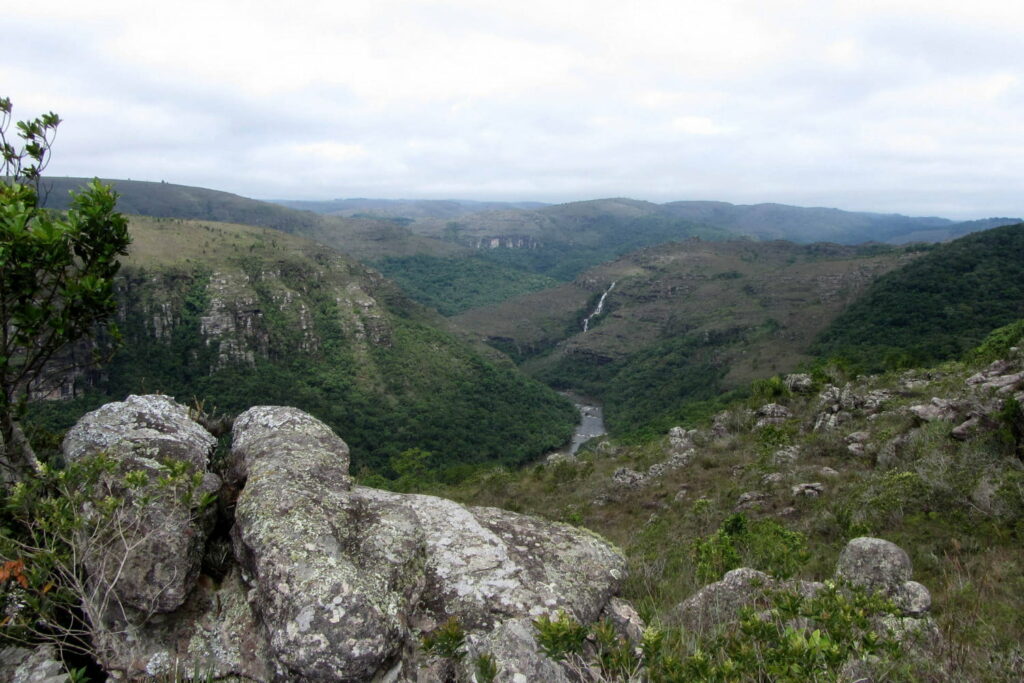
{"points": [[576, 222], [403, 208], [365, 239]]}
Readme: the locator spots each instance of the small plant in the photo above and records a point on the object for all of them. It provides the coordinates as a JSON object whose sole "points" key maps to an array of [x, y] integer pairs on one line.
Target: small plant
{"points": [[447, 642], [486, 669], [769, 389], [561, 636]]}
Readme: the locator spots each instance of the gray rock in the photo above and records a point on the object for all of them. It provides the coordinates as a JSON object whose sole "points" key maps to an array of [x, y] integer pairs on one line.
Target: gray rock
{"points": [[808, 490], [772, 413], [799, 383], [967, 428], [750, 500], [913, 599], [681, 440], [625, 619], [773, 479], [37, 665], [938, 409], [858, 437], [720, 602], [627, 478], [786, 456], [147, 557], [343, 575], [875, 564], [159, 427], [214, 633]]}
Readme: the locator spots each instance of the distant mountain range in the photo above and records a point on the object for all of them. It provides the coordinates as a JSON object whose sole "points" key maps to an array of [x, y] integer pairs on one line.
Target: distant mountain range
{"points": [[586, 223]]}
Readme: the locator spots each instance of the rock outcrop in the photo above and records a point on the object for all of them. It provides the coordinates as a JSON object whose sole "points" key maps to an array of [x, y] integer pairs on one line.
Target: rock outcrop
{"points": [[338, 582], [871, 563], [146, 558]]}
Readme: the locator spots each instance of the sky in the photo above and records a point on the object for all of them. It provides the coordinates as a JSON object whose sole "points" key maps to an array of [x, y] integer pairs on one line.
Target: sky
{"points": [[908, 106]]}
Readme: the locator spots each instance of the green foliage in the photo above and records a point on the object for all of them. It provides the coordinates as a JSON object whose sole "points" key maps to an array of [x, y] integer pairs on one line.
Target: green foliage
{"points": [[447, 642], [794, 638], [485, 668], [578, 242], [935, 307], [762, 544], [95, 505], [769, 389], [998, 343], [56, 272], [561, 636], [422, 388], [1012, 417], [771, 437], [651, 390], [453, 285]]}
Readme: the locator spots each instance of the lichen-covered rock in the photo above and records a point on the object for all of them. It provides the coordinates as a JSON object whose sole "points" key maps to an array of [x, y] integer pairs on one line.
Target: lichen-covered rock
{"points": [[154, 425], [627, 478], [215, 633], [874, 563], [344, 576], [38, 665], [808, 490], [720, 602], [799, 383], [147, 557], [913, 599], [786, 456], [772, 414]]}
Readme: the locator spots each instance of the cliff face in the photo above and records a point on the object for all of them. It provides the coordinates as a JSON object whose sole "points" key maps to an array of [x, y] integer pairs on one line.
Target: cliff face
{"points": [[227, 313]]}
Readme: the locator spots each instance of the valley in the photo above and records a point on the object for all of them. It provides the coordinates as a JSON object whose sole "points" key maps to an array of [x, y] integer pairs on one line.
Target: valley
{"points": [[758, 409]]}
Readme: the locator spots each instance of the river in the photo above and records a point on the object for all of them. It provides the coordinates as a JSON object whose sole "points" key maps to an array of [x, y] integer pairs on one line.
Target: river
{"points": [[591, 424]]}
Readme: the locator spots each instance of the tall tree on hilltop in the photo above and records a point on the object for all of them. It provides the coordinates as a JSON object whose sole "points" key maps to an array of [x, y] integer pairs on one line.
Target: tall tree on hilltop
{"points": [[56, 275]]}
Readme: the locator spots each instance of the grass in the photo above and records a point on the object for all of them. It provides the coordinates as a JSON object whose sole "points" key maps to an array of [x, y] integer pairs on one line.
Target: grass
{"points": [[964, 549]]}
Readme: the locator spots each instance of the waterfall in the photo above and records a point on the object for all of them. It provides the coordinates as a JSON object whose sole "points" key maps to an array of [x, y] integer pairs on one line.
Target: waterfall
{"points": [[598, 309]]}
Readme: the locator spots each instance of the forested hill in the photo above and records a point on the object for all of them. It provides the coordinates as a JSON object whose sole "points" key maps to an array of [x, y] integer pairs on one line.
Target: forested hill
{"points": [[935, 307], [237, 316]]}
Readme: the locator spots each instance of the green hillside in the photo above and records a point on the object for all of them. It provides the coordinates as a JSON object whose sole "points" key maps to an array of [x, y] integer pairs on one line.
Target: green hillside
{"points": [[936, 307], [237, 316]]}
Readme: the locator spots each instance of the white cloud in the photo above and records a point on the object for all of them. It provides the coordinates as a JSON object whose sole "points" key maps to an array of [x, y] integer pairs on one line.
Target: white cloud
{"points": [[840, 103]]}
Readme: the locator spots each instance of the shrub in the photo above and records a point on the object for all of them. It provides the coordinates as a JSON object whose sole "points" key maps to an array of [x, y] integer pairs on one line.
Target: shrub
{"points": [[763, 544]]}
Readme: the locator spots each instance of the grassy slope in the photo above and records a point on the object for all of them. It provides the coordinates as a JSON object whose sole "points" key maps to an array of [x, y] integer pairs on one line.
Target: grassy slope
{"points": [[955, 505]]}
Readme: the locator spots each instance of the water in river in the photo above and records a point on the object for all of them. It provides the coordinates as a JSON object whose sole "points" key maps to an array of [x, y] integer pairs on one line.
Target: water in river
{"points": [[591, 425]]}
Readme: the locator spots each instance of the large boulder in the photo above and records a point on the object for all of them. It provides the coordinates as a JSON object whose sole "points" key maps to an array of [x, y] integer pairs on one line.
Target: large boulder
{"points": [[153, 425], [721, 602], [145, 556], [345, 577], [874, 563]]}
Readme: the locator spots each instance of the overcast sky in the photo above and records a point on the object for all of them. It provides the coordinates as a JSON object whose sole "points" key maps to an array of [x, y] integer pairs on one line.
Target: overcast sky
{"points": [[910, 106]]}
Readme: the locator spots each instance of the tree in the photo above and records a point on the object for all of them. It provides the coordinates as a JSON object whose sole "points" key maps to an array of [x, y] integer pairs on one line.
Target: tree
{"points": [[56, 275]]}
